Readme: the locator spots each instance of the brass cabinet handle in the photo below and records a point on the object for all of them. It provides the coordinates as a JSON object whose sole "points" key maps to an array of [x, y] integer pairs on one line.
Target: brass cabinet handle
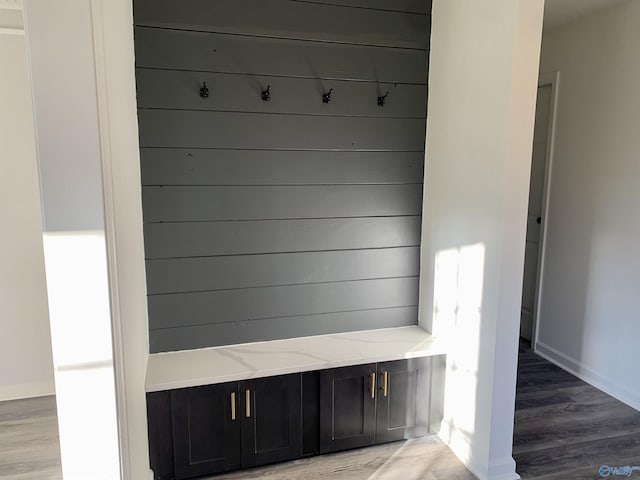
{"points": [[385, 383], [247, 397], [233, 405], [372, 384]]}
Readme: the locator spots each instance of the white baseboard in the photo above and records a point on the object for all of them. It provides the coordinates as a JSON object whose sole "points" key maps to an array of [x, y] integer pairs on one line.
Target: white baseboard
{"points": [[497, 470], [573, 366], [26, 390], [502, 469]]}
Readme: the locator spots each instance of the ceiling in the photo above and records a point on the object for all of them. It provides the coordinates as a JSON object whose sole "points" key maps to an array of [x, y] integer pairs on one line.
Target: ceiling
{"points": [[557, 12]]}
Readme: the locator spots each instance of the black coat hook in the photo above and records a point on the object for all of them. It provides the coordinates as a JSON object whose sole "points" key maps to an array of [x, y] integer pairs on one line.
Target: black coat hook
{"points": [[204, 91], [326, 97], [382, 100], [266, 94]]}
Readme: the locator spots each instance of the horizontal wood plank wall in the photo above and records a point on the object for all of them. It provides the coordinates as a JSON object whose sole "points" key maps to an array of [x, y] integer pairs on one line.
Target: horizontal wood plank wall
{"points": [[289, 217], [411, 6]]}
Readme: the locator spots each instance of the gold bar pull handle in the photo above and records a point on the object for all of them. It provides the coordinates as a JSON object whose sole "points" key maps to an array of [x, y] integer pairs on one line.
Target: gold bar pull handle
{"points": [[247, 398], [372, 384], [233, 405], [385, 382]]}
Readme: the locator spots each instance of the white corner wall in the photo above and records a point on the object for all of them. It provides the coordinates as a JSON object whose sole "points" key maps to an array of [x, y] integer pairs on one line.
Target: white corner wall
{"points": [[119, 119], [482, 92], [26, 364], [590, 297], [88, 154]]}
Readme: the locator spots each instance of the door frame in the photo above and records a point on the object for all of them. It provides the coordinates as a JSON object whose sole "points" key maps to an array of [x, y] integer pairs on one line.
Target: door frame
{"points": [[544, 79]]}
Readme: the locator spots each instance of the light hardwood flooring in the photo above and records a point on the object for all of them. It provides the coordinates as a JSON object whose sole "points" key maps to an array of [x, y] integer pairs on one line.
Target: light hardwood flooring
{"points": [[29, 445], [564, 429], [29, 450], [417, 459]]}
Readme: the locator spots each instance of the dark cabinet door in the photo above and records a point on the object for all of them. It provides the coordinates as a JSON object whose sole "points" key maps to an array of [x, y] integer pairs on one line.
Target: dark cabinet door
{"points": [[271, 419], [403, 399], [206, 430], [160, 432], [347, 407]]}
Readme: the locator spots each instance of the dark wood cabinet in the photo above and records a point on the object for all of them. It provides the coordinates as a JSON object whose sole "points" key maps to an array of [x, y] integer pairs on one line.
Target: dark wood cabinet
{"points": [[217, 428], [206, 430], [402, 406], [347, 407], [271, 419], [160, 432], [201, 431], [374, 403]]}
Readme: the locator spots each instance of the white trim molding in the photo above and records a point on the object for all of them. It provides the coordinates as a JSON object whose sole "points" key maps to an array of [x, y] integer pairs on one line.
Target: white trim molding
{"points": [[110, 241], [11, 22], [497, 469], [27, 390], [11, 4], [588, 375], [112, 31], [502, 469], [553, 79]]}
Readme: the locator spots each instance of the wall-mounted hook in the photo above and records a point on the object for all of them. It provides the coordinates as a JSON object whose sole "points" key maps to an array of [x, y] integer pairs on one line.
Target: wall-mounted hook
{"points": [[326, 97], [204, 91], [382, 100], [266, 94]]}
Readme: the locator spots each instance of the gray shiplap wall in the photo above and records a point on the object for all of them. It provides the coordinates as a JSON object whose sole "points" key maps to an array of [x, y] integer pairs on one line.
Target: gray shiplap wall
{"points": [[268, 220]]}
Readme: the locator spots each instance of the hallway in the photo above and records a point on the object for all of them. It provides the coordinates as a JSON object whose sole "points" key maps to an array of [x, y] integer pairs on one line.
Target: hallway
{"points": [[567, 429]]}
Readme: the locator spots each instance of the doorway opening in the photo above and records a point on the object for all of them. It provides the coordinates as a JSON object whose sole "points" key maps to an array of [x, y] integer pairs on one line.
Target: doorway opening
{"points": [[538, 205], [563, 426]]}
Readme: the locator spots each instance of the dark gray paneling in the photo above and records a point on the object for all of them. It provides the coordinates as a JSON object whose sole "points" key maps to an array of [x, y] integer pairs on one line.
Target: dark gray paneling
{"points": [[413, 6], [200, 129], [182, 50], [223, 306], [173, 89], [198, 274], [184, 338], [169, 166], [285, 19], [164, 240], [197, 204], [291, 217]]}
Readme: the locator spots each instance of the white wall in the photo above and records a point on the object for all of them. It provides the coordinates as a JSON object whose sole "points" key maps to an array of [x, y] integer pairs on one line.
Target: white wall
{"points": [[482, 92], [90, 174], [590, 298], [124, 224], [26, 365], [484, 69], [63, 43]]}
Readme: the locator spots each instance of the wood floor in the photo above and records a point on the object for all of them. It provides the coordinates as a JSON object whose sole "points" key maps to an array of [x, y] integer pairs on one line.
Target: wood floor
{"points": [[418, 459], [29, 450], [29, 445], [567, 429], [564, 430]]}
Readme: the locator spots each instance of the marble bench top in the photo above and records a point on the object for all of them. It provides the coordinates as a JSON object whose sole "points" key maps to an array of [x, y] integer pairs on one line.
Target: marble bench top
{"points": [[190, 368]]}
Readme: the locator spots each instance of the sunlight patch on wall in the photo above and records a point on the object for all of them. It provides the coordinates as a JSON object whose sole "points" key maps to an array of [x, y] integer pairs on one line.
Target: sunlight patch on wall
{"points": [[457, 318], [77, 286]]}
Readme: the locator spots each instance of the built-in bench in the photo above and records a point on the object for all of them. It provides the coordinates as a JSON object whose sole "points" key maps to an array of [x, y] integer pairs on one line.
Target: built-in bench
{"points": [[219, 409]]}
